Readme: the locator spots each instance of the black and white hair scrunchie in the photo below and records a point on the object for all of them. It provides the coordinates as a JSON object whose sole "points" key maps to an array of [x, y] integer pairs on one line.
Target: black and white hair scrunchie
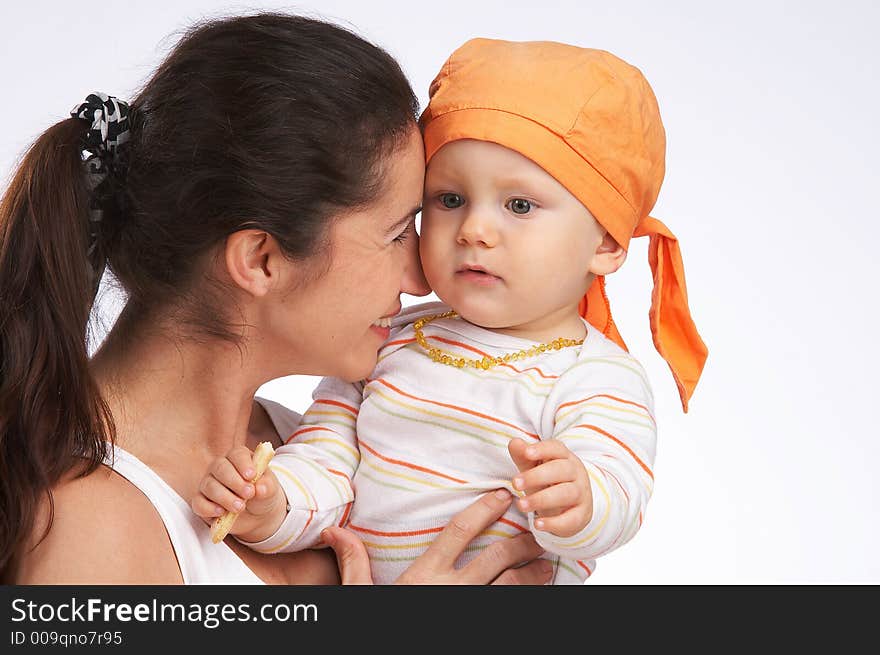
{"points": [[109, 125], [109, 122]]}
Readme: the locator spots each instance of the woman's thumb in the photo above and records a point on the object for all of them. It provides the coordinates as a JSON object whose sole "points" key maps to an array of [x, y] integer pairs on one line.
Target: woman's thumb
{"points": [[351, 555]]}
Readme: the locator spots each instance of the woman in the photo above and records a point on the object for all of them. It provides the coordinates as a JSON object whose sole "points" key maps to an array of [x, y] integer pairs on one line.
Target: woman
{"points": [[257, 205]]}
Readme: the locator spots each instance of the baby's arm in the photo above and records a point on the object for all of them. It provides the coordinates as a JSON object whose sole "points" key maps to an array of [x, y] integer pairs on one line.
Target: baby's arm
{"points": [[598, 460], [315, 468]]}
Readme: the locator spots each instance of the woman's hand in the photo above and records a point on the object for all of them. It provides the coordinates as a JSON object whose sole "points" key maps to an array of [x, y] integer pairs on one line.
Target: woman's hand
{"points": [[436, 565]]}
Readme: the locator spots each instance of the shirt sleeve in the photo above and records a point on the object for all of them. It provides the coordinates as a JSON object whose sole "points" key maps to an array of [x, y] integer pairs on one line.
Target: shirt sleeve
{"points": [[315, 467], [602, 409]]}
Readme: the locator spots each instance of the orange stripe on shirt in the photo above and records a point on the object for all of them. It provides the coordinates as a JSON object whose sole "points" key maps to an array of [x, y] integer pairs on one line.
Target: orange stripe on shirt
{"points": [[409, 533], [621, 444], [345, 515], [585, 567], [326, 401], [605, 395], [456, 407], [304, 430], [409, 464], [302, 532], [513, 524], [311, 516], [613, 477], [348, 479]]}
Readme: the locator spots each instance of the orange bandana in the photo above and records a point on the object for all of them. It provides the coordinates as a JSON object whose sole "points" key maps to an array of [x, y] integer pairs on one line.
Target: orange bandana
{"points": [[591, 121]]}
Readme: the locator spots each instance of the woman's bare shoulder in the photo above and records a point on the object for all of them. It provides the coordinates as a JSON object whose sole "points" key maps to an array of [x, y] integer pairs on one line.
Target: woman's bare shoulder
{"points": [[104, 531]]}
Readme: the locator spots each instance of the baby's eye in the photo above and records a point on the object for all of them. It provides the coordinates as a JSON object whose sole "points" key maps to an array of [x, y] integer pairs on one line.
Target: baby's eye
{"points": [[519, 206], [451, 200]]}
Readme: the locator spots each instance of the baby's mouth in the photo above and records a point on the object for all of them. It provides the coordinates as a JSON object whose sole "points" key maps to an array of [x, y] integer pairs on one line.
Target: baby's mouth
{"points": [[476, 269], [478, 276]]}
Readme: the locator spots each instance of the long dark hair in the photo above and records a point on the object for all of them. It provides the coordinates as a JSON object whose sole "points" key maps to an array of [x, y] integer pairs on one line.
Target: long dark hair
{"points": [[269, 121]]}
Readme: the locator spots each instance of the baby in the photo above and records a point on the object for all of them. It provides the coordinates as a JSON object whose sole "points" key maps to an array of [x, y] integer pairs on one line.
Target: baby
{"points": [[544, 159]]}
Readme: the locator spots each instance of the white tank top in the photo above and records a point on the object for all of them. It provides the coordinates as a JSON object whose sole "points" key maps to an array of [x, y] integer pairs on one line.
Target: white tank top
{"points": [[201, 561]]}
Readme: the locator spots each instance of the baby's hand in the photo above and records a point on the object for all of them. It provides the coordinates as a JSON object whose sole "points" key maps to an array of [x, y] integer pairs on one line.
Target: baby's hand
{"points": [[227, 487], [556, 484]]}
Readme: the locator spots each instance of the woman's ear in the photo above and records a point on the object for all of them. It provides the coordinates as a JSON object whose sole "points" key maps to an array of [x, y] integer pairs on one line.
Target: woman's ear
{"points": [[609, 256], [253, 261]]}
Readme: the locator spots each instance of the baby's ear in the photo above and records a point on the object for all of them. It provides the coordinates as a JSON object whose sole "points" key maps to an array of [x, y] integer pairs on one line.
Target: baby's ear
{"points": [[609, 256]]}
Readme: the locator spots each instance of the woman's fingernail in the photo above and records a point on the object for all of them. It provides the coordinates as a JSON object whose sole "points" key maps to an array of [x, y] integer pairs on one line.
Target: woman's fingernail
{"points": [[502, 494], [524, 504], [239, 505], [518, 483], [249, 473], [531, 451], [539, 524]]}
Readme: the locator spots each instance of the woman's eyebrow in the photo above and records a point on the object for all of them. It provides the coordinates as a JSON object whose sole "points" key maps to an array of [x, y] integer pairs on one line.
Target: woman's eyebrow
{"points": [[403, 221]]}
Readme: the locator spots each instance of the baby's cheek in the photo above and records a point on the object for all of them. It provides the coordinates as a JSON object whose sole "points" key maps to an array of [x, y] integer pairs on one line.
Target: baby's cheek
{"points": [[432, 252]]}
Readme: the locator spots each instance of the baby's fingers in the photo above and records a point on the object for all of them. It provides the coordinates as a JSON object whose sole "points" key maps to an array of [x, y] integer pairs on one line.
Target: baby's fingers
{"points": [[269, 495], [229, 472], [243, 460], [566, 524], [218, 493], [267, 485], [517, 449], [555, 471], [546, 450], [205, 508], [552, 500]]}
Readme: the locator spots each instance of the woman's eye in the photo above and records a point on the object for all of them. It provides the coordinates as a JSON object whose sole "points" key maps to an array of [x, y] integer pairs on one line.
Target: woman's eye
{"points": [[519, 206], [403, 236], [451, 200]]}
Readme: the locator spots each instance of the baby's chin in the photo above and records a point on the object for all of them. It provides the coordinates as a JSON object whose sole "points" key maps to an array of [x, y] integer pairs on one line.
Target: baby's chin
{"points": [[482, 315]]}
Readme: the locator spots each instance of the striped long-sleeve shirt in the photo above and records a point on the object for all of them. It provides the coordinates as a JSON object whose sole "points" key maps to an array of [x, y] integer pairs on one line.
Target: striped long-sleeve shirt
{"points": [[419, 441]]}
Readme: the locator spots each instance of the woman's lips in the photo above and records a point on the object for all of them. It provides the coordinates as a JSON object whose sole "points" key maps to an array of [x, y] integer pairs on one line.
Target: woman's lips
{"points": [[382, 325], [383, 332]]}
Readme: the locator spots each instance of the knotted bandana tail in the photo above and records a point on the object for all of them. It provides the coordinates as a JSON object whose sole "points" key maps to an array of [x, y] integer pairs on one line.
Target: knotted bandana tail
{"points": [[674, 334]]}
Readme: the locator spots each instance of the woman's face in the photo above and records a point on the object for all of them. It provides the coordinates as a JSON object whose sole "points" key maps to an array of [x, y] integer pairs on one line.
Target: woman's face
{"points": [[334, 324]]}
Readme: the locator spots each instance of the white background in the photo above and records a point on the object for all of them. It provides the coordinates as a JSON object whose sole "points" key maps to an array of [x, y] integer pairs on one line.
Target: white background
{"points": [[771, 116]]}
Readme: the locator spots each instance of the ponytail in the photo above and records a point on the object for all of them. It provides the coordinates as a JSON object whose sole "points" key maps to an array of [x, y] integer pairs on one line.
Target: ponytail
{"points": [[52, 417]]}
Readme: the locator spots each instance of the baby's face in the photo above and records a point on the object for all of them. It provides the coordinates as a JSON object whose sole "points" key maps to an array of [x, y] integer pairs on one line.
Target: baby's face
{"points": [[502, 242]]}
